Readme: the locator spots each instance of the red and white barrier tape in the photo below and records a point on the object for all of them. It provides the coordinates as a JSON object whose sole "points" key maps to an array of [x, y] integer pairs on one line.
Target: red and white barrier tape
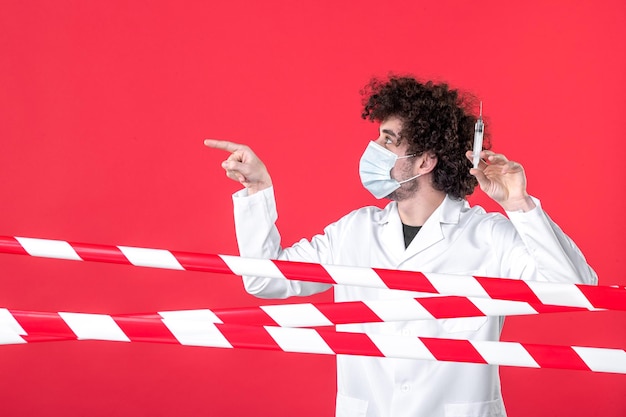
{"points": [[25, 327], [367, 311], [533, 292]]}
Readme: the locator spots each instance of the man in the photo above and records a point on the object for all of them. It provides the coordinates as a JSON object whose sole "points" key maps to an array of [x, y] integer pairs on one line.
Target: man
{"points": [[421, 162]]}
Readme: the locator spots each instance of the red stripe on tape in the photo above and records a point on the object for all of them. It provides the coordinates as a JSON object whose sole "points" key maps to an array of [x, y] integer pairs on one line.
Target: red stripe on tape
{"points": [[508, 289], [562, 357], [451, 350], [358, 313], [253, 337], [12, 246], [449, 307], [350, 343], [40, 322], [406, 280], [100, 253], [145, 330], [202, 262], [609, 298], [303, 271]]}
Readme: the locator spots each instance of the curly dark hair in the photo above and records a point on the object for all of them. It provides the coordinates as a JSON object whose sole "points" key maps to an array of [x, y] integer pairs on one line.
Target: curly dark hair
{"points": [[435, 119]]}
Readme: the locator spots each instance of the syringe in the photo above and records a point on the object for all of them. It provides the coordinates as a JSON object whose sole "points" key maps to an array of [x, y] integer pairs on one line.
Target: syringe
{"points": [[479, 129]]}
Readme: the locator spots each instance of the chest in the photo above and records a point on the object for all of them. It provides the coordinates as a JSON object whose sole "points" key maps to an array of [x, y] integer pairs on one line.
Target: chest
{"points": [[450, 249]]}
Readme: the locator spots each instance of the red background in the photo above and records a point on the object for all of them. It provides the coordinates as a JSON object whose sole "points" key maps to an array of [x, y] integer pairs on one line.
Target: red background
{"points": [[103, 110]]}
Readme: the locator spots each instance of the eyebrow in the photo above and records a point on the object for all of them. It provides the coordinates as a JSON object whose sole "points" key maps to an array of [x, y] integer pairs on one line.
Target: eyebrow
{"points": [[390, 132]]}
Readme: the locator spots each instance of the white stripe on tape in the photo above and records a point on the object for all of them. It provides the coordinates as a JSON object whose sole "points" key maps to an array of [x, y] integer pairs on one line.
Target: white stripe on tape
{"points": [[48, 248], [7, 320], [566, 295], [347, 275], [603, 359], [504, 353], [457, 285], [152, 258], [401, 347], [198, 315], [502, 307], [299, 340], [398, 310], [8, 336], [196, 333], [94, 327], [252, 267], [296, 315]]}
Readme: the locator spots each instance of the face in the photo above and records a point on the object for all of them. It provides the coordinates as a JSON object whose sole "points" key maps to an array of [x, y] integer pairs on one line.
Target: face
{"points": [[390, 138]]}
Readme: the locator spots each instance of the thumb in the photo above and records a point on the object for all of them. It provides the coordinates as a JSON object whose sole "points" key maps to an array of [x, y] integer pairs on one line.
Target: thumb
{"points": [[483, 181]]}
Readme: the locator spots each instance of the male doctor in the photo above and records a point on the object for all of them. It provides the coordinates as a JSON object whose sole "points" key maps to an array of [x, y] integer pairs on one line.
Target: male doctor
{"points": [[421, 163]]}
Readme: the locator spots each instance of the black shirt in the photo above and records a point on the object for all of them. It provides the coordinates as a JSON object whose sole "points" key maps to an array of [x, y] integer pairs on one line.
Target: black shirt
{"points": [[409, 233]]}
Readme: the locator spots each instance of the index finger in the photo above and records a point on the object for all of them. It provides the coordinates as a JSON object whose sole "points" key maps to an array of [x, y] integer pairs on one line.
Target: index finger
{"points": [[493, 157], [481, 162], [223, 145]]}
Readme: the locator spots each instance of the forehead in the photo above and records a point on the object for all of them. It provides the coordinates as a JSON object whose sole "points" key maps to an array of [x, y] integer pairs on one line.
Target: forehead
{"points": [[392, 123]]}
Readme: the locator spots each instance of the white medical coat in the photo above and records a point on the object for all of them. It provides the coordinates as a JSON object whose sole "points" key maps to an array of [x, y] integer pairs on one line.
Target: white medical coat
{"points": [[456, 239]]}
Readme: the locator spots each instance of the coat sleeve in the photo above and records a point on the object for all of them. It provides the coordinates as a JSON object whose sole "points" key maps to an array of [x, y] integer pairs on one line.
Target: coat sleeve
{"points": [[258, 237], [547, 253]]}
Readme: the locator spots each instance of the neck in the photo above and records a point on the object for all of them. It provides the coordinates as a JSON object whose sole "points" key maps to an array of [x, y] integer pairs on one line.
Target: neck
{"points": [[415, 210]]}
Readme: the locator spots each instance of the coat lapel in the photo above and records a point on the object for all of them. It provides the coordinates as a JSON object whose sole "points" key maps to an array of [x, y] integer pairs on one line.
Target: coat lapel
{"points": [[392, 237], [433, 230]]}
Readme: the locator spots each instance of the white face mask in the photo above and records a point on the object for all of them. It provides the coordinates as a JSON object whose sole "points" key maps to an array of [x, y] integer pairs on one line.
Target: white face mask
{"points": [[375, 170]]}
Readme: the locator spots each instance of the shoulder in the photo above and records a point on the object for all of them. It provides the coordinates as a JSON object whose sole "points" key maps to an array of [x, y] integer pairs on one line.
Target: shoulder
{"points": [[364, 217], [370, 213], [476, 217], [495, 229]]}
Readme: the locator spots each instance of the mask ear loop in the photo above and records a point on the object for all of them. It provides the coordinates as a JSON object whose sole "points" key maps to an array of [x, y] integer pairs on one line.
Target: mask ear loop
{"points": [[412, 178], [409, 179]]}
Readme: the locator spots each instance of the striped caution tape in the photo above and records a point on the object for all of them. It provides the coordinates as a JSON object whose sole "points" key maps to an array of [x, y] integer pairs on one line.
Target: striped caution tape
{"points": [[29, 327], [533, 292], [367, 311]]}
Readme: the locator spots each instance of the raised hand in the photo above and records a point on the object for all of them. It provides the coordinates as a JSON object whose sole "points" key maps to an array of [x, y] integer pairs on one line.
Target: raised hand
{"points": [[502, 180], [243, 165]]}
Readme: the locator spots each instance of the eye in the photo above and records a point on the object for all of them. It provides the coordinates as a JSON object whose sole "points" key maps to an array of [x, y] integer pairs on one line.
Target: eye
{"points": [[388, 140]]}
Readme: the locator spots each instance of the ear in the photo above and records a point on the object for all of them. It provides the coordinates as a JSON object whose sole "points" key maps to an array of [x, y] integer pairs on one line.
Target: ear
{"points": [[426, 162]]}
